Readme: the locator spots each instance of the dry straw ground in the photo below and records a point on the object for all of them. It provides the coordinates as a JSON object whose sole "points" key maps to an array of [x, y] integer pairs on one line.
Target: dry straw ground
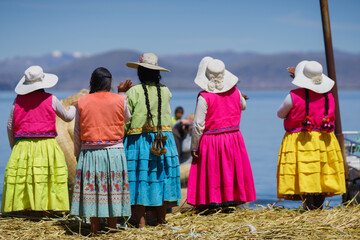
{"points": [[342, 222]]}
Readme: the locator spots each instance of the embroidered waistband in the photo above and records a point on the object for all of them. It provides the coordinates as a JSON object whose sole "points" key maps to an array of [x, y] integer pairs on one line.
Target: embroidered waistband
{"points": [[220, 130], [32, 135], [140, 130], [103, 142], [295, 130]]}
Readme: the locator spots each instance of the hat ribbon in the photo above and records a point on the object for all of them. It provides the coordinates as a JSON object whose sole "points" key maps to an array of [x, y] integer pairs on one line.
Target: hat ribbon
{"points": [[215, 81], [142, 60], [316, 79], [31, 81]]}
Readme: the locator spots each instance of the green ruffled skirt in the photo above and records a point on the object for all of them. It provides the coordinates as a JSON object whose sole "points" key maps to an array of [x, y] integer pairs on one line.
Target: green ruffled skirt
{"points": [[36, 177]]}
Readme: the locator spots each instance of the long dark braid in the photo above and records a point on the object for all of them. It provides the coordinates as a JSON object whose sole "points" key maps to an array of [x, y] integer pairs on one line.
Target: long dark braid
{"points": [[326, 125], [149, 75], [159, 103], [326, 103], [160, 138], [149, 115], [307, 123], [145, 76]]}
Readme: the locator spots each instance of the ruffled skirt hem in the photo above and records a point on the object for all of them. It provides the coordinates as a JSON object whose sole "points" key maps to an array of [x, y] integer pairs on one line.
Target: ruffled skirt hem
{"points": [[36, 177], [153, 179], [310, 163]]}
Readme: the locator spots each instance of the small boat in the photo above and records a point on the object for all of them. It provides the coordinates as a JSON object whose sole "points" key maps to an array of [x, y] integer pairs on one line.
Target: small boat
{"points": [[352, 146]]}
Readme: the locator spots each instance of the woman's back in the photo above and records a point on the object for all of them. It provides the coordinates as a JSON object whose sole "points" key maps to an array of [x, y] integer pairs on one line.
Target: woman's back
{"points": [[224, 110], [137, 106], [101, 117]]}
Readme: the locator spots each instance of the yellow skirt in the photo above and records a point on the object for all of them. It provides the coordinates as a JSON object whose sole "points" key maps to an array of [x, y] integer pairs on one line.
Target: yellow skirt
{"points": [[36, 177], [310, 163]]}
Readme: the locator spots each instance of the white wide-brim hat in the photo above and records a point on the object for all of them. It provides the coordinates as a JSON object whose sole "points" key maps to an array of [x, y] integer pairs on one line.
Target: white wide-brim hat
{"points": [[147, 60], [209, 66], [35, 79], [309, 75]]}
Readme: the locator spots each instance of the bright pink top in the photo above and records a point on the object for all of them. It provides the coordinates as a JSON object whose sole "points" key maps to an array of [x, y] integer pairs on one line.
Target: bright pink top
{"points": [[34, 115], [224, 111], [297, 114]]}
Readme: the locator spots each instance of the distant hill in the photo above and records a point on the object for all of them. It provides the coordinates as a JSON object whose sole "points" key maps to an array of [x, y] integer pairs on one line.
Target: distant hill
{"points": [[255, 70], [11, 70]]}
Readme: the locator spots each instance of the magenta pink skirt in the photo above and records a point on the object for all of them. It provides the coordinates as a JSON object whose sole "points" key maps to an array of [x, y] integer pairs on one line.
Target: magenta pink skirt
{"points": [[222, 173]]}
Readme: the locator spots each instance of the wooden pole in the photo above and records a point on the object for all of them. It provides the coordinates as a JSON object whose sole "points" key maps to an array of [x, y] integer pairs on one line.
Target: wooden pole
{"points": [[330, 63]]}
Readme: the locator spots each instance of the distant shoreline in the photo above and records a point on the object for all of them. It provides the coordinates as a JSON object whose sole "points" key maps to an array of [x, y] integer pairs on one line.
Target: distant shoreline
{"points": [[192, 89], [256, 71]]}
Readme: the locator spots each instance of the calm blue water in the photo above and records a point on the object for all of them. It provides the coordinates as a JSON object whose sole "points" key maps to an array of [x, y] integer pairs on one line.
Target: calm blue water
{"points": [[261, 128]]}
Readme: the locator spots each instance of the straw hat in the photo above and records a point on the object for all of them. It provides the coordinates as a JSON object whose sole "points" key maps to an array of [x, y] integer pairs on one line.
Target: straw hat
{"points": [[309, 75], [34, 79], [147, 60], [213, 77]]}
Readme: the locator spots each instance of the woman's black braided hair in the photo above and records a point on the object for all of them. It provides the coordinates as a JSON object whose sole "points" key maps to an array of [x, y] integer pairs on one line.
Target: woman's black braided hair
{"points": [[147, 76]]}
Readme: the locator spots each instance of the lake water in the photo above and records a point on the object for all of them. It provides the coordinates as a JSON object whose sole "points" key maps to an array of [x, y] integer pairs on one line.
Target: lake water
{"points": [[261, 128]]}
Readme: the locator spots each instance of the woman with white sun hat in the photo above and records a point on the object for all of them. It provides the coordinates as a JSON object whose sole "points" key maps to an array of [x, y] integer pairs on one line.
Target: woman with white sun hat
{"points": [[310, 164], [220, 173], [36, 173], [151, 153]]}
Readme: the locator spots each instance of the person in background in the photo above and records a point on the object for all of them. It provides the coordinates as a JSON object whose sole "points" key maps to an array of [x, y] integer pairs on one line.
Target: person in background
{"points": [[179, 112], [151, 153], [220, 173], [182, 134], [178, 128], [310, 164], [36, 173], [101, 187]]}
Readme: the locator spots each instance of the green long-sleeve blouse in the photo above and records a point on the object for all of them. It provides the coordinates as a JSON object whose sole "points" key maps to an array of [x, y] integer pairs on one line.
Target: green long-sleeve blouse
{"points": [[137, 106]]}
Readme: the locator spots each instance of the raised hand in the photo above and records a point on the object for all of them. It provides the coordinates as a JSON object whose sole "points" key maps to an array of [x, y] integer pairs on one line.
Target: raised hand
{"points": [[291, 70], [245, 96], [124, 86]]}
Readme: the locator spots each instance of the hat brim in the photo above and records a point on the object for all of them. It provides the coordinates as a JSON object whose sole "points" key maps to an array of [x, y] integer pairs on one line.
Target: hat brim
{"points": [[303, 81], [146, 65], [202, 81], [23, 88]]}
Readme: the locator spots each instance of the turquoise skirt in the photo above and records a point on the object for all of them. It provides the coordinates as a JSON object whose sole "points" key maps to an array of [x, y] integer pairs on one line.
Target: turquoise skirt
{"points": [[101, 187], [153, 179]]}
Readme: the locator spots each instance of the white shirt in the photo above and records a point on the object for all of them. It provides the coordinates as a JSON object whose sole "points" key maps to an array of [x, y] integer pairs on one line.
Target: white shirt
{"points": [[61, 112], [285, 107], [199, 120], [77, 134]]}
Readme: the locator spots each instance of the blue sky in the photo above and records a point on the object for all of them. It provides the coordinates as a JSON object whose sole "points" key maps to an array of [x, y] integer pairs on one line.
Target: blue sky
{"points": [[37, 27]]}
